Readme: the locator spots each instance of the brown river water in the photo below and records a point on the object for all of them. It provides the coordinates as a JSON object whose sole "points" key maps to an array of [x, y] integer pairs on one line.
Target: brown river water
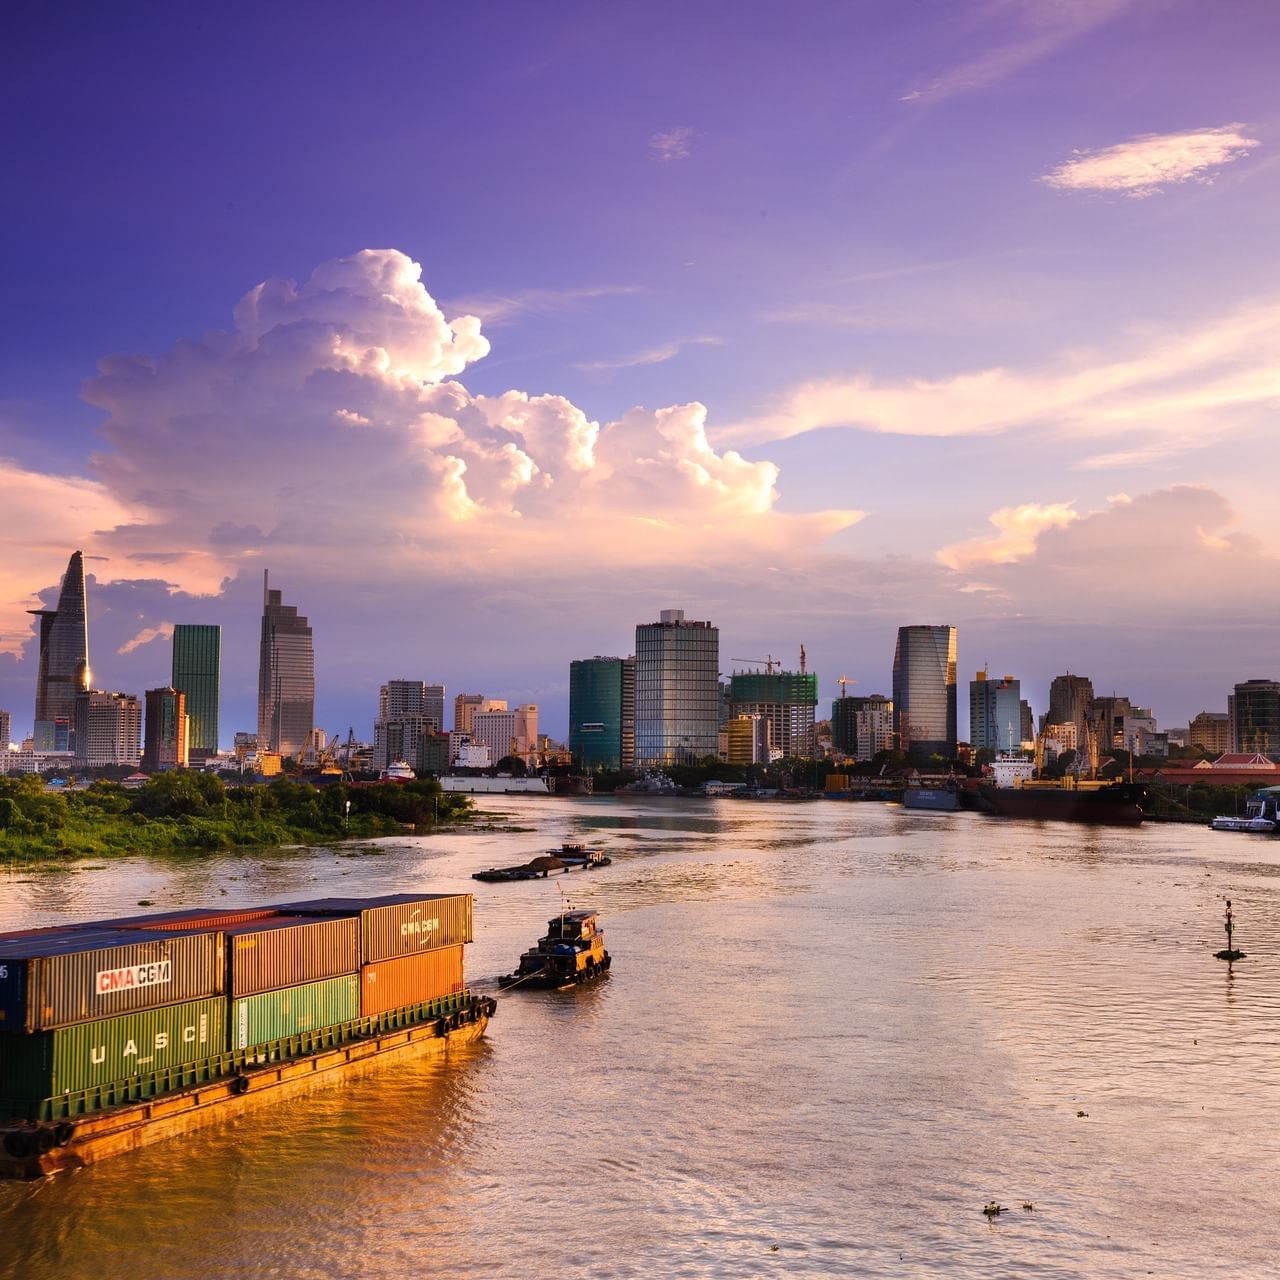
{"points": [[832, 1033]]}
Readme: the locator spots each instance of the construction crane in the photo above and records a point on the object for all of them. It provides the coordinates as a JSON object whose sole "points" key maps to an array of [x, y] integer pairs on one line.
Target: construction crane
{"points": [[802, 659], [769, 662], [844, 680]]}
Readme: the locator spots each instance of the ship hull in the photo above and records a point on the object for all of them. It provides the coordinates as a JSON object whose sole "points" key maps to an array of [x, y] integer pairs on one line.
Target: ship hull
{"points": [[1120, 805], [939, 799]]}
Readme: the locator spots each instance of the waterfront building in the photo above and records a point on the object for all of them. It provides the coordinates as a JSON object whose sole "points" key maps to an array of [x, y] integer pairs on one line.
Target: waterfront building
{"points": [[108, 729], [995, 713], [166, 742], [1254, 709], [1026, 722], [629, 712], [400, 698], [197, 672], [924, 690], [595, 712], [409, 712], [786, 699], [286, 678], [465, 705], [1069, 699], [677, 691], [1106, 715], [749, 739], [844, 737], [507, 732], [63, 672], [873, 730], [1210, 730]]}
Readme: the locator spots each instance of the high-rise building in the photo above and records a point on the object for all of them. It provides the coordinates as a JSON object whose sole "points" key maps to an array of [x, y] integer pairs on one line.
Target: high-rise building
{"points": [[197, 672], [844, 740], [1254, 709], [595, 712], [1210, 730], [748, 740], [677, 691], [465, 705], [6, 728], [108, 729], [399, 698], [1026, 722], [286, 678], [787, 701], [873, 727], [995, 713], [1069, 699], [64, 648], [629, 712], [924, 690], [506, 733], [409, 712], [166, 741], [1106, 716]]}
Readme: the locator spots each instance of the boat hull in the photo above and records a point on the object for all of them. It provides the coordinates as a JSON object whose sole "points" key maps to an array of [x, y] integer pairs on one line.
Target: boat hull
{"points": [[110, 1132], [1120, 805], [939, 799]]}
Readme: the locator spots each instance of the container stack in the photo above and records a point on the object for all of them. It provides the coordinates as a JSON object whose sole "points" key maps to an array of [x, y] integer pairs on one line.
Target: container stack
{"points": [[99, 1004]]}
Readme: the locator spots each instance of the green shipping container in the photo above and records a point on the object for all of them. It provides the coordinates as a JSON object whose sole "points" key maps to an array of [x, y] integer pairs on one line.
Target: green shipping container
{"points": [[50, 1063], [276, 1015]]}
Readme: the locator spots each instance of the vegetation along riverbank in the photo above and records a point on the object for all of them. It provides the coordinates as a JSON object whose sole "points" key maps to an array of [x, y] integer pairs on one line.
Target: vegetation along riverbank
{"points": [[184, 810]]}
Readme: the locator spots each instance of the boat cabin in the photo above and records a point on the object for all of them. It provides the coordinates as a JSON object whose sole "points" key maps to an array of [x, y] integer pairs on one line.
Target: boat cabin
{"points": [[573, 926]]}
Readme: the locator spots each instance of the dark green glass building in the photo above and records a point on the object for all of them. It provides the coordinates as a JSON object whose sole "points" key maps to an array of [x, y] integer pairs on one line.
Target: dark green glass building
{"points": [[595, 712], [197, 665]]}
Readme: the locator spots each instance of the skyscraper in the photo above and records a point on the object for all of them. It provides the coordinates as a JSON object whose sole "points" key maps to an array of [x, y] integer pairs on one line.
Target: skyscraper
{"points": [[409, 712], [924, 690], [465, 705], [677, 691], [108, 729], [197, 668], [286, 677], [64, 648], [787, 701], [1254, 711], [995, 713], [595, 712], [165, 744], [5, 729], [1069, 699]]}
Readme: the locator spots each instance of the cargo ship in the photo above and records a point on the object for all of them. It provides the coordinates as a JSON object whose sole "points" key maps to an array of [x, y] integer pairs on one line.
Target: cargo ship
{"points": [[939, 799], [1108, 803], [571, 953], [118, 1033]]}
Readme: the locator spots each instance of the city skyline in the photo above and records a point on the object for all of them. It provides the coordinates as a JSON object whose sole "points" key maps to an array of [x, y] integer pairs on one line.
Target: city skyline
{"points": [[966, 313]]}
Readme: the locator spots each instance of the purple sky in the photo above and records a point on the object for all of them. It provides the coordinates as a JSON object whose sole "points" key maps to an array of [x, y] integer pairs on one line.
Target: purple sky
{"points": [[981, 300]]}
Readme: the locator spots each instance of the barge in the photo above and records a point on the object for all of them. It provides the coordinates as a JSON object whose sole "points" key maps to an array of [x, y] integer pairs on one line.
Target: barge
{"points": [[120, 1033]]}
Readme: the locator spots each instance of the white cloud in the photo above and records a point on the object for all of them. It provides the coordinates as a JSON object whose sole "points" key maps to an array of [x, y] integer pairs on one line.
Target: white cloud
{"points": [[1147, 164], [1185, 387], [1018, 530], [651, 355], [671, 144], [161, 631], [504, 308]]}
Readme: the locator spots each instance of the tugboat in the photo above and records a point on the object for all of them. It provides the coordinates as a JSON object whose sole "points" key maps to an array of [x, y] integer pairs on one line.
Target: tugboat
{"points": [[571, 953], [580, 856]]}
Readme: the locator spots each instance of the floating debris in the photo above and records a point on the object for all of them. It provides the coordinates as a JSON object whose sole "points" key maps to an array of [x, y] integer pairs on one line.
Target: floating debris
{"points": [[993, 1207], [1028, 1206], [1082, 1115]]}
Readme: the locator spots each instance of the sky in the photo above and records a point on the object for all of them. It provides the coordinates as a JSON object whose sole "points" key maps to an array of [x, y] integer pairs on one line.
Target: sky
{"points": [[491, 331]]}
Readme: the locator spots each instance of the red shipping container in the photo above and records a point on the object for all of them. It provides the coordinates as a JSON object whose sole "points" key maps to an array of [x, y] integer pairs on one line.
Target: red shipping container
{"points": [[392, 984]]}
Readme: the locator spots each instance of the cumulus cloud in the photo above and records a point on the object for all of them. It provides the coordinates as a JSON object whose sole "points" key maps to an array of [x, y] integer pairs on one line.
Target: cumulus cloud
{"points": [[1018, 528], [1180, 386], [161, 631], [327, 433], [1147, 164], [671, 144]]}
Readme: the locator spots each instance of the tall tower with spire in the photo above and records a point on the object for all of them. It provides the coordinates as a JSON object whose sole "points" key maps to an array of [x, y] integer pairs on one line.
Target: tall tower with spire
{"points": [[286, 677], [64, 650]]}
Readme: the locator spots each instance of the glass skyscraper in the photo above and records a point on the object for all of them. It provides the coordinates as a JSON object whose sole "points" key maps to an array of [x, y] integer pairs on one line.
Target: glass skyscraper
{"points": [[197, 667], [595, 712], [677, 691], [995, 713], [286, 677], [64, 649], [924, 691]]}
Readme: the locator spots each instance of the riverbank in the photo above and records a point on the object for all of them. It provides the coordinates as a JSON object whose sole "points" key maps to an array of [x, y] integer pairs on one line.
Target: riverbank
{"points": [[191, 811]]}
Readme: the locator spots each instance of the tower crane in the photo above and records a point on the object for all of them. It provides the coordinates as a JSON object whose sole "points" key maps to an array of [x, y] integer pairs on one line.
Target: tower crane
{"points": [[769, 662], [844, 680]]}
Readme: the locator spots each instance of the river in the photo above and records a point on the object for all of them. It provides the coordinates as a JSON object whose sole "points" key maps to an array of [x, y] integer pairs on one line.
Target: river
{"points": [[832, 1033]]}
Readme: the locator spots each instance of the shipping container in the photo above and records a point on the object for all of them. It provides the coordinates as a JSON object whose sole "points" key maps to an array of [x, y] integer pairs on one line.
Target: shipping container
{"points": [[276, 1015], [52, 980], [49, 1063], [192, 918], [288, 952], [393, 984], [398, 924]]}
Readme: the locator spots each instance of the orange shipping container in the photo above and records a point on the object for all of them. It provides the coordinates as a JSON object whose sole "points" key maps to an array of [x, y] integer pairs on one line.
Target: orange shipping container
{"points": [[392, 984]]}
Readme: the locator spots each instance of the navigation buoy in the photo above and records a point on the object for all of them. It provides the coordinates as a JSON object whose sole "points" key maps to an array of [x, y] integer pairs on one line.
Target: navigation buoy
{"points": [[1228, 924]]}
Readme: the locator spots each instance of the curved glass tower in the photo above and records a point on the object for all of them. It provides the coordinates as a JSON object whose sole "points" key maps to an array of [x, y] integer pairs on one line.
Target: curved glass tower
{"points": [[924, 691], [64, 648]]}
